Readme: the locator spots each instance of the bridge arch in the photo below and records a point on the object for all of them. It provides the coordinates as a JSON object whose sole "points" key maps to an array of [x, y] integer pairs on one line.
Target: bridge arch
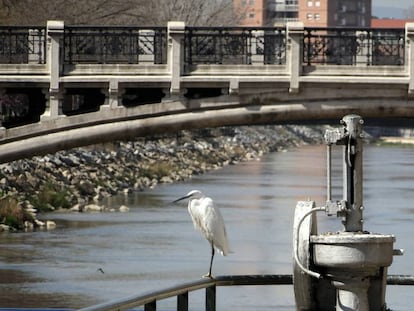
{"points": [[163, 118]]}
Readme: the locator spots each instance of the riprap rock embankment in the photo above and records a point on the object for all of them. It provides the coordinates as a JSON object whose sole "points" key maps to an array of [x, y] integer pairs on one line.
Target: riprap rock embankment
{"points": [[81, 177]]}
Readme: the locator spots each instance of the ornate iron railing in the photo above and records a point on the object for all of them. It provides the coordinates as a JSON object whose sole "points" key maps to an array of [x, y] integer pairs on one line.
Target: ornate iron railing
{"points": [[226, 45], [22, 45], [115, 45], [354, 46], [205, 45]]}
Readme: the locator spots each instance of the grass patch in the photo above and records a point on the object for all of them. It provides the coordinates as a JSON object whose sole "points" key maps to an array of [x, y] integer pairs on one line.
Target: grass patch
{"points": [[12, 213], [156, 170]]}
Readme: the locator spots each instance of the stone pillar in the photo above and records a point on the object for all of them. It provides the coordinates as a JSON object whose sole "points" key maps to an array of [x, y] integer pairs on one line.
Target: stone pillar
{"points": [[409, 32], [234, 86], [2, 128], [55, 31], [176, 54], [294, 54], [112, 95], [54, 101]]}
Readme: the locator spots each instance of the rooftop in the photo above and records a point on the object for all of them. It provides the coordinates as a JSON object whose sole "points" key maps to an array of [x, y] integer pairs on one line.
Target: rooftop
{"points": [[390, 23]]}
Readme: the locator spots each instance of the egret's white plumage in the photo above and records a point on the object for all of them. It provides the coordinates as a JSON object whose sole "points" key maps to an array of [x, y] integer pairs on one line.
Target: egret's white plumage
{"points": [[208, 220]]}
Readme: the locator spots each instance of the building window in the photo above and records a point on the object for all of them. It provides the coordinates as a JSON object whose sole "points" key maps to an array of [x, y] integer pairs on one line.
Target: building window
{"points": [[363, 9], [362, 21], [251, 15], [309, 16], [317, 3], [251, 2], [310, 3], [317, 16]]}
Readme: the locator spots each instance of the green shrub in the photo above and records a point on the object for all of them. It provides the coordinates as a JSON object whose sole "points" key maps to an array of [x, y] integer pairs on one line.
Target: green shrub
{"points": [[50, 197]]}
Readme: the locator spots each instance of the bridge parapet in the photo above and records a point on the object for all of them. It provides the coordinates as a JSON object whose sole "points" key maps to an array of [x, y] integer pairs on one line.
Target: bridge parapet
{"points": [[91, 53]]}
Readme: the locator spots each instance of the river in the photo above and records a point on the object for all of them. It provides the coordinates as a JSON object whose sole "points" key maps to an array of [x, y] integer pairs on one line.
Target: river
{"points": [[96, 257]]}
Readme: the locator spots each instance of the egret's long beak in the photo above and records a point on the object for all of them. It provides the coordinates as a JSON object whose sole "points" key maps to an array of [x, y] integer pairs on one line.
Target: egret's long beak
{"points": [[182, 198]]}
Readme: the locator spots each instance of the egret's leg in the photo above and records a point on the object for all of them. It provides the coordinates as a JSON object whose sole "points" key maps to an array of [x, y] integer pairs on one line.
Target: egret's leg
{"points": [[211, 262]]}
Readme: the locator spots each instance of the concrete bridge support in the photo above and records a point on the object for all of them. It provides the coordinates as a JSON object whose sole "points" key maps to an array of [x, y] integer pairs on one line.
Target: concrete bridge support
{"points": [[55, 31], [176, 55], [409, 30], [294, 53]]}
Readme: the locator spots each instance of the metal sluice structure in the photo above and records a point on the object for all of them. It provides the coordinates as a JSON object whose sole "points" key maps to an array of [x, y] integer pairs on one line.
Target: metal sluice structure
{"points": [[181, 291]]}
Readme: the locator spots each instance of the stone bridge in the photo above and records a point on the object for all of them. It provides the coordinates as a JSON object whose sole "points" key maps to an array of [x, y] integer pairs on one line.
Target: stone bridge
{"points": [[68, 86]]}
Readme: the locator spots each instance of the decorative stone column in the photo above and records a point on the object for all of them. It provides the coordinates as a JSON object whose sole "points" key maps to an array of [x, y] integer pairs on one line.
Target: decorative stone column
{"points": [[55, 30], [176, 55], [294, 53]]}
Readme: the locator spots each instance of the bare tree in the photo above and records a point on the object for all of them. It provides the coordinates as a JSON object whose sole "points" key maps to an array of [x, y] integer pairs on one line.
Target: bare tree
{"points": [[192, 12], [122, 12], [71, 11], [9, 10]]}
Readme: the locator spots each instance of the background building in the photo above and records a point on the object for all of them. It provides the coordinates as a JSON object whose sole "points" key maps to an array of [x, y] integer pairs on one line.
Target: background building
{"points": [[250, 12], [335, 13], [282, 11], [390, 23], [313, 13]]}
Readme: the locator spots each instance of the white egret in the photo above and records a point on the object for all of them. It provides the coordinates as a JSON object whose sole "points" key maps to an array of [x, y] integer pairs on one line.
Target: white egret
{"points": [[208, 220]]}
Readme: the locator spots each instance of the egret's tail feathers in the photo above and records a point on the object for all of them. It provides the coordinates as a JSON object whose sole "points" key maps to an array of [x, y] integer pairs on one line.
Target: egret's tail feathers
{"points": [[229, 251], [224, 251]]}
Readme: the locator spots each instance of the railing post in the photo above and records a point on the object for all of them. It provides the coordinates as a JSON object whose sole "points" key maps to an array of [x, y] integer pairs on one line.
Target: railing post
{"points": [[409, 32], [55, 31], [294, 53], [211, 298], [151, 306], [182, 302], [175, 54]]}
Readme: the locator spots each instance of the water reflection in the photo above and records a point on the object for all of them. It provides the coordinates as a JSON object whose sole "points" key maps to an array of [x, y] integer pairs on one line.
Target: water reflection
{"points": [[154, 245]]}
